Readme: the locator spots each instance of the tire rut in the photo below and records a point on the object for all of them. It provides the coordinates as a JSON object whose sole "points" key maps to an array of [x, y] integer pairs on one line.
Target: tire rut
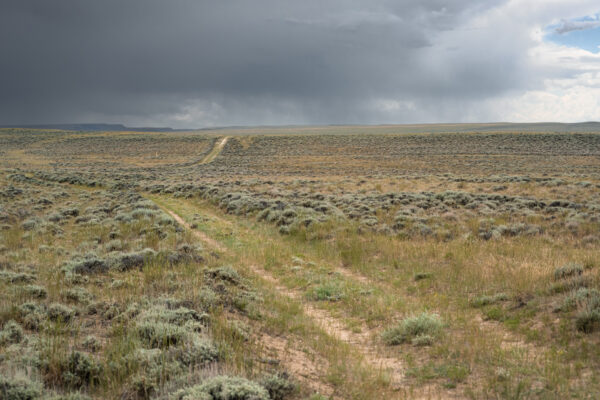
{"points": [[200, 235], [361, 341], [294, 360]]}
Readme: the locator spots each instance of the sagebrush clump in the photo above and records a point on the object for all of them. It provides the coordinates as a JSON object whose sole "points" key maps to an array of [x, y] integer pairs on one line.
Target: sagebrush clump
{"points": [[568, 271], [224, 388], [421, 329], [487, 300], [19, 388]]}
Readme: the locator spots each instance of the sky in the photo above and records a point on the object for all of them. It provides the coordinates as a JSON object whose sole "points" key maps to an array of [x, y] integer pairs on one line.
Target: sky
{"points": [[197, 63]]}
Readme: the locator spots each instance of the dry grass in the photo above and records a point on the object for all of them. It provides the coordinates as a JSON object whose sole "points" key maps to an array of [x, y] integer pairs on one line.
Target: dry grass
{"points": [[322, 241]]}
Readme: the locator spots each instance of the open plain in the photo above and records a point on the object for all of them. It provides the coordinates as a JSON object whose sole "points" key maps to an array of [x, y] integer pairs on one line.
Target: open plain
{"points": [[416, 262]]}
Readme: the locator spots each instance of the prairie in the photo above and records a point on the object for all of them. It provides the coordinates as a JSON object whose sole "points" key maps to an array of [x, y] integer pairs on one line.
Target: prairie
{"points": [[300, 263]]}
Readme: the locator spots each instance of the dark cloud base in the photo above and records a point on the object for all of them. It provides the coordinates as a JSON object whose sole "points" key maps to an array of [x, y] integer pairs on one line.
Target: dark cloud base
{"points": [[208, 63]]}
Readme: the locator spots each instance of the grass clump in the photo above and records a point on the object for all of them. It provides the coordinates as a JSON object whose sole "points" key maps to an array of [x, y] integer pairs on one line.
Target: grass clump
{"points": [[71, 396], [279, 386], [91, 343], [11, 333], [224, 388], [160, 334], [421, 330], [584, 297], [451, 373], [564, 285], [423, 340], [30, 224], [588, 321], [89, 265], [179, 316], [153, 369], [19, 388], [495, 313], [483, 301], [78, 295], [419, 276], [16, 277], [126, 261], [35, 291], [69, 370], [160, 327], [81, 370], [587, 301], [31, 315], [330, 291], [59, 312], [568, 271], [225, 274], [157, 366], [198, 350]]}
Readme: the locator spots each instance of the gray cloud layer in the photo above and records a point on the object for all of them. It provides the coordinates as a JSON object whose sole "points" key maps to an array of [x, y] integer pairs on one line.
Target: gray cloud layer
{"points": [[197, 62], [570, 26]]}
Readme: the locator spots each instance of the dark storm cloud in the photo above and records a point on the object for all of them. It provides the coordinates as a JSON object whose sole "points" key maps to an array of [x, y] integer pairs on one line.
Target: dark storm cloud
{"points": [[194, 63]]}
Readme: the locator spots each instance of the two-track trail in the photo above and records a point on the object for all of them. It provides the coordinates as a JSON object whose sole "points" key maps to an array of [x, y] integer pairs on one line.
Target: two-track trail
{"points": [[216, 150], [295, 361], [361, 342]]}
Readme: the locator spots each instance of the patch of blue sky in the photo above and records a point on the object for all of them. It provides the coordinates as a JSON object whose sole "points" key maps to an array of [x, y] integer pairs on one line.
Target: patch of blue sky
{"points": [[583, 33]]}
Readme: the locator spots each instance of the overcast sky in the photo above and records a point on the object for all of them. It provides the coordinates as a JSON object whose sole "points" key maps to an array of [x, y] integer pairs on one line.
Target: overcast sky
{"points": [[196, 63]]}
